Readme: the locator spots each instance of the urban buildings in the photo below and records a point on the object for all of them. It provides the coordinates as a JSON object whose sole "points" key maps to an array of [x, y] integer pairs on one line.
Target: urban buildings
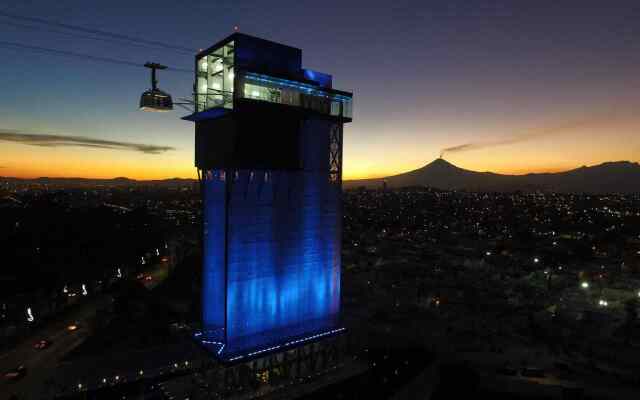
{"points": [[269, 158]]}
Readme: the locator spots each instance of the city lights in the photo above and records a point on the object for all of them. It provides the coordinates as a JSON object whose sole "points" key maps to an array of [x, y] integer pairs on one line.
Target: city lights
{"points": [[273, 252]]}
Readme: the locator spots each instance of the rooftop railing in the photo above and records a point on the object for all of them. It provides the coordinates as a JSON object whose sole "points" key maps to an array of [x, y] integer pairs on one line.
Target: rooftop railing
{"points": [[281, 91]]}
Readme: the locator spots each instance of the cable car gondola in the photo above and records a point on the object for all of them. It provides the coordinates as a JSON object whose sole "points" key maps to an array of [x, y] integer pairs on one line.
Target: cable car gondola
{"points": [[155, 99]]}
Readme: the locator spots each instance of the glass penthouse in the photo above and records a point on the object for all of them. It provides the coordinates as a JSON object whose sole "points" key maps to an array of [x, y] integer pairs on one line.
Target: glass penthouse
{"points": [[269, 157]]}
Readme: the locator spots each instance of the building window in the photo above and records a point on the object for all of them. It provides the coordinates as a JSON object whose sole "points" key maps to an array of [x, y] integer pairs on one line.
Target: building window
{"points": [[282, 91], [215, 78]]}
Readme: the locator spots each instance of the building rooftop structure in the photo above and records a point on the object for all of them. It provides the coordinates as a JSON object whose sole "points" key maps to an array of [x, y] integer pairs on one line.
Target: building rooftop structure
{"points": [[243, 68]]}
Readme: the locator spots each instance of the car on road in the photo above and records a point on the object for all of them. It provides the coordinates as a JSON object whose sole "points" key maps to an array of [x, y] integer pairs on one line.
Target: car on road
{"points": [[16, 373], [73, 327], [42, 344]]}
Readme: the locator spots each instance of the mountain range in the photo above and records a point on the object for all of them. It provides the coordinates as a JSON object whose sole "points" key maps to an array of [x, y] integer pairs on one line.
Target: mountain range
{"points": [[608, 177], [90, 182]]}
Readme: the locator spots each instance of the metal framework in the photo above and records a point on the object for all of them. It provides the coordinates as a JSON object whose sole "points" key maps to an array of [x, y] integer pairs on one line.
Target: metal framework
{"points": [[335, 154], [278, 370]]}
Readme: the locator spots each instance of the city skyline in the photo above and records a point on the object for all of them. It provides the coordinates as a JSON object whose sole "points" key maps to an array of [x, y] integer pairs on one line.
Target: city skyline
{"points": [[335, 200], [427, 77]]}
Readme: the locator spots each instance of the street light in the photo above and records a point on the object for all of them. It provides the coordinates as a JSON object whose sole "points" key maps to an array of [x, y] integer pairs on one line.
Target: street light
{"points": [[30, 317]]}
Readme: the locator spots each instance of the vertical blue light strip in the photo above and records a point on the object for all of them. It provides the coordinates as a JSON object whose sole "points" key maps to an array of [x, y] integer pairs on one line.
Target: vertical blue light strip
{"points": [[213, 276], [282, 245]]}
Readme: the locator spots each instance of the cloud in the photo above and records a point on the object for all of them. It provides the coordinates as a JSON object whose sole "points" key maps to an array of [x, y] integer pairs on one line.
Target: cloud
{"points": [[50, 140], [556, 130]]}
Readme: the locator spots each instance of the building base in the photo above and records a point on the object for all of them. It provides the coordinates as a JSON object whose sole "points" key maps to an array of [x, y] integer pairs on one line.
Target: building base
{"points": [[219, 349]]}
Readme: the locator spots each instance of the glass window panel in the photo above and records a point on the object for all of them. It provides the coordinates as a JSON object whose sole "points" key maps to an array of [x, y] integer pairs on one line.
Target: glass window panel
{"points": [[274, 90], [215, 79]]}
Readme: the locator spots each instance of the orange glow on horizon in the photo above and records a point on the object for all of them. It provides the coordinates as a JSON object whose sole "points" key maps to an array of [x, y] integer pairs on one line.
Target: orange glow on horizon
{"points": [[156, 172], [22, 161], [514, 171], [383, 158], [142, 174]]}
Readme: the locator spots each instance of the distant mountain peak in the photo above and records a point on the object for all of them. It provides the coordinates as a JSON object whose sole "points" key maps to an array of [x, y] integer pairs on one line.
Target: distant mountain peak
{"points": [[439, 165], [608, 177], [440, 162]]}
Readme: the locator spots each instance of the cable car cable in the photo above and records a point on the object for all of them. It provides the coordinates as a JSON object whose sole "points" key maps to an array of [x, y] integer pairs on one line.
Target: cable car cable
{"points": [[77, 35], [85, 56], [97, 32]]}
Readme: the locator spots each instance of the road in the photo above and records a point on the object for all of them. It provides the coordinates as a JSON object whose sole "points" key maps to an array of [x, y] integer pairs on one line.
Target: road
{"points": [[157, 273], [41, 364]]}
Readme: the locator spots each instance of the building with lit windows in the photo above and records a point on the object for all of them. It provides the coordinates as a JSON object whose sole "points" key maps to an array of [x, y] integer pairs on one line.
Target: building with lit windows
{"points": [[268, 150]]}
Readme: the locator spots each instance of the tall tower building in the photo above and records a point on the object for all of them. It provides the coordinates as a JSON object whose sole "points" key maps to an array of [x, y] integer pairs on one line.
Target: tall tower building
{"points": [[269, 157]]}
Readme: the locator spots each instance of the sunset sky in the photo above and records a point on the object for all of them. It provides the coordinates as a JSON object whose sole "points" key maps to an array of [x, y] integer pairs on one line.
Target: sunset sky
{"points": [[546, 86]]}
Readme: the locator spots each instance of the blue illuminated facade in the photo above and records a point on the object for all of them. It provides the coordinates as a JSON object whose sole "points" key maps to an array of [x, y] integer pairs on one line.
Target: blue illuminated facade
{"points": [[269, 157]]}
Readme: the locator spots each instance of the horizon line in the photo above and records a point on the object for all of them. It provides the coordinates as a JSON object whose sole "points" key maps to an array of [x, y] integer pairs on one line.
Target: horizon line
{"points": [[350, 179]]}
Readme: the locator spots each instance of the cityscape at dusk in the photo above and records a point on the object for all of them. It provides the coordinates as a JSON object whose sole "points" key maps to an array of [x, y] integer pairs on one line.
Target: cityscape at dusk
{"points": [[320, 200]]}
